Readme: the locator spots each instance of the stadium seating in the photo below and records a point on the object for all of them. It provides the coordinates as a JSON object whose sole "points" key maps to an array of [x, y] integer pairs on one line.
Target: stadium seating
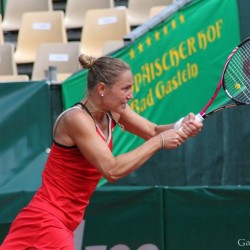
{"points": [[139, 10], [101, 26], [111, 46], [156, 10], [1, 32], [12, 78], [37, 28], [75, 11], [62, 55], [15, 9], [7, 63]]}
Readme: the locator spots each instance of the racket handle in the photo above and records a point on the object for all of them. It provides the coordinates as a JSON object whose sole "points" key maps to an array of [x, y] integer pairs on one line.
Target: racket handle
{"points": [[199, 118], [177, 125]]}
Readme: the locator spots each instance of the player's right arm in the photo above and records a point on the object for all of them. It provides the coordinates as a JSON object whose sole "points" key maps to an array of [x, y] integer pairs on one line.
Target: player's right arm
{"points": [[79, 128]]}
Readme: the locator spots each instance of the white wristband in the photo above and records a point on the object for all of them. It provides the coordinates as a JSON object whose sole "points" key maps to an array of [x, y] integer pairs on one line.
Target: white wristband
{"points": [[178, 124]]}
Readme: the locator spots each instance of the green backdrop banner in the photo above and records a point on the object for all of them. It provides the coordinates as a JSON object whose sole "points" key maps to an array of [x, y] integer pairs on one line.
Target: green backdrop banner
{"points": [[176, 65]]}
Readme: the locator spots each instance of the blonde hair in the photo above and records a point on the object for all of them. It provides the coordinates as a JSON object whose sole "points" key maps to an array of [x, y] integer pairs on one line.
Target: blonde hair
{"points": [[86, 61], [103, 69]]}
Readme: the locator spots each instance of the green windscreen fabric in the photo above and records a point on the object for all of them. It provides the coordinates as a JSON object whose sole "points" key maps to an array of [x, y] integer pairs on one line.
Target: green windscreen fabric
{"points": [[25, 134], [3, 6], [128, 217], [207, 218], [164, 218]]}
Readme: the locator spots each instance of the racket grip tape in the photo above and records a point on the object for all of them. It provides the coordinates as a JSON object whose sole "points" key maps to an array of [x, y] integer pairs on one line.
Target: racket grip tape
{"points": [[177, 125], [199, 117]]}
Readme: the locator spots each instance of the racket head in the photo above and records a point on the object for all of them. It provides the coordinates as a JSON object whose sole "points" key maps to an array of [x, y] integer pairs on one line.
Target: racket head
{"points": [[236, 75]]}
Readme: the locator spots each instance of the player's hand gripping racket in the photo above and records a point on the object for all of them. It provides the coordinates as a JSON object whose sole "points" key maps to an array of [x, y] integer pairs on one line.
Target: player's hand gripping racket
{"points": [[235, 80]]}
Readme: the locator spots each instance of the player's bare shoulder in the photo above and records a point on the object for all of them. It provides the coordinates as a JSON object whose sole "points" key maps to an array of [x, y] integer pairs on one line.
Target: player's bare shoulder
{"points": [[77, 117]]}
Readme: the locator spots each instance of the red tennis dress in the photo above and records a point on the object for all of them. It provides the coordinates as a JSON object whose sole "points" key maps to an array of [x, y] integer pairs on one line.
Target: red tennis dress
{"points": [[58, 207]]}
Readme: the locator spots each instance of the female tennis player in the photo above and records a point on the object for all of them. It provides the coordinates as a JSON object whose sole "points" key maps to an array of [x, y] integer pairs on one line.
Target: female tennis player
{"points": [[81, 154]]}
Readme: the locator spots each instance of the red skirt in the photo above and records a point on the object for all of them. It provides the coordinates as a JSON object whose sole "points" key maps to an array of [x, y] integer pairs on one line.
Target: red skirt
{"points": [[34, 228]]}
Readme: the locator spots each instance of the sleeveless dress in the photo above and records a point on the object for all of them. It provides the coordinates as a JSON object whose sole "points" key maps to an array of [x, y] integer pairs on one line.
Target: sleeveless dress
{"points": [[58, 206]]}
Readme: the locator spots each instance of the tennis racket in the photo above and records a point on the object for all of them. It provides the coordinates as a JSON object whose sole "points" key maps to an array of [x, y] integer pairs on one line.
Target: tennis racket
{"points": [[235, 79]]}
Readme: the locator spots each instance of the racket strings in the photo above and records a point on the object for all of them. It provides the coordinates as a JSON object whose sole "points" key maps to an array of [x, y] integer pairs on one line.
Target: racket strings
{"points": [[237, 74]]}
